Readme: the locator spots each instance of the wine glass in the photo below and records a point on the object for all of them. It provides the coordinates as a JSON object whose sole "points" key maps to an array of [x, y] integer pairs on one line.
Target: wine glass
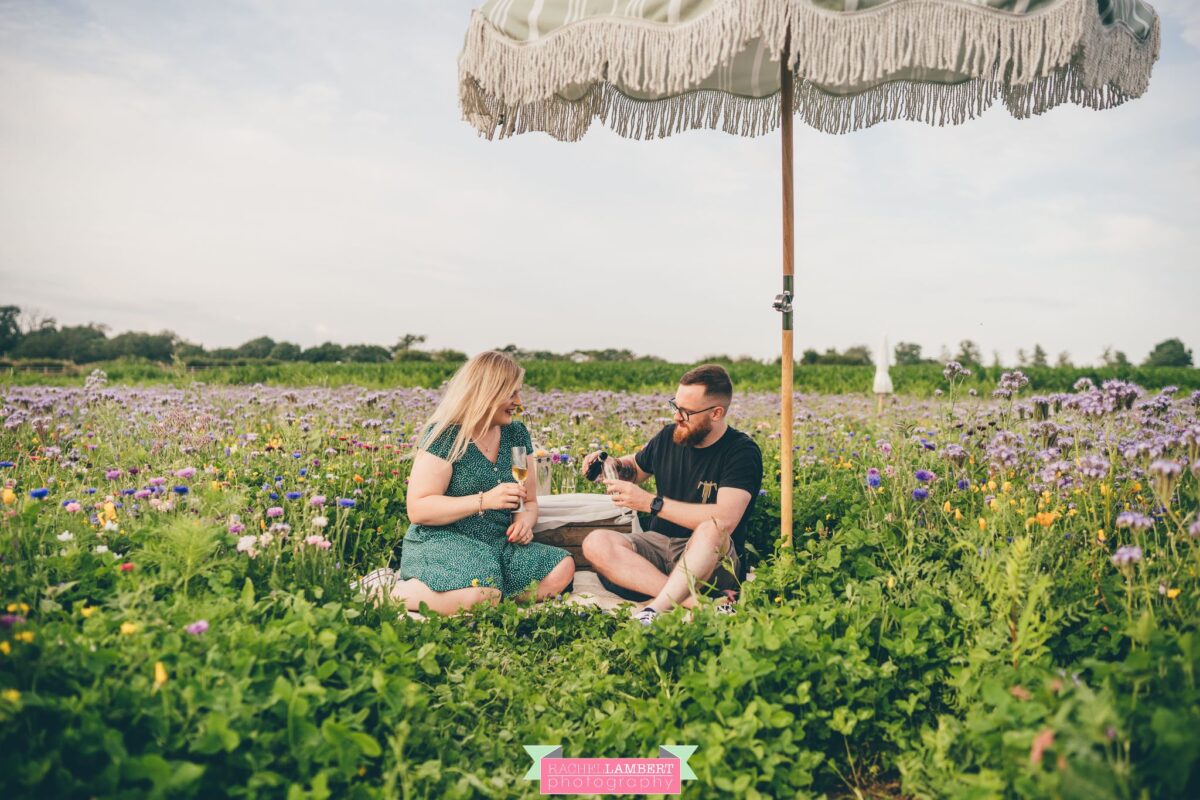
{"points": [[520, 467]]}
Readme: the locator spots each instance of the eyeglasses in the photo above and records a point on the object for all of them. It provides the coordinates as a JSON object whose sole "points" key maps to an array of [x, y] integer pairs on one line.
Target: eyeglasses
{"points": [[687, 415]]}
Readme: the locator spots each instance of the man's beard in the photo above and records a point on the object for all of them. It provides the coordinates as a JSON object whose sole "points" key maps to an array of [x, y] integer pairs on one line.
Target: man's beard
{"points": [[692, 435]]}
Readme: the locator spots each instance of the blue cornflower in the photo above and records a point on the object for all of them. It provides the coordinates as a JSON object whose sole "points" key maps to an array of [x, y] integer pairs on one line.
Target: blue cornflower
{"points": [[181, 490], [919, 493], [762, 492], [39, 493], [297, 454], [68, 502], [304, 470], [274, 495], [345, 502], [963, 483], [6, 463], [89, 491], [874, 479], [128, 491], [923, 475], [292, 495]]}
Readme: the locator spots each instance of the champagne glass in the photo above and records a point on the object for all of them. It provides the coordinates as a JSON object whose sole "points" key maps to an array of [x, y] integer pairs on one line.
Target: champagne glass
{"points": [[610, 469], [520, 467]]}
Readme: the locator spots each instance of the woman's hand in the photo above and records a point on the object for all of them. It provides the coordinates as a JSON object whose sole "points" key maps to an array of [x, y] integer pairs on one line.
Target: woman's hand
{"points": [[520, 532], [505, 497]]}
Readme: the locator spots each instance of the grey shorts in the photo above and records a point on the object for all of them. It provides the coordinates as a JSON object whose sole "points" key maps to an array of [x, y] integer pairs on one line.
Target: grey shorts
{"points": [[664, 552]]}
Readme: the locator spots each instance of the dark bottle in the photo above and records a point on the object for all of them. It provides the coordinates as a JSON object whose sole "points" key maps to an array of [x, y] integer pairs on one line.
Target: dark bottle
{"points": [[593, 470]]}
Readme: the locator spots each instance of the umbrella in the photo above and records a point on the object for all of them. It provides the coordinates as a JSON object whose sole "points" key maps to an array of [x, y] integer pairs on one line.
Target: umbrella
{"points": [[651, 68]]}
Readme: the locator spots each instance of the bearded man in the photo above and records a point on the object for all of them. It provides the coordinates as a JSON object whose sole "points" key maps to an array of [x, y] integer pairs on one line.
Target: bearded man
{"points": [[707, 476]]}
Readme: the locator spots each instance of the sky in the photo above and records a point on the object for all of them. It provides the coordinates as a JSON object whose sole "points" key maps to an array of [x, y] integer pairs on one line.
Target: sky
{"points": [[300, 170]]}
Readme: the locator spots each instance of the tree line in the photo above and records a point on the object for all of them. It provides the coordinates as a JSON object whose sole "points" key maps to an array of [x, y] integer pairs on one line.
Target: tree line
{"points": [[30, 336]]}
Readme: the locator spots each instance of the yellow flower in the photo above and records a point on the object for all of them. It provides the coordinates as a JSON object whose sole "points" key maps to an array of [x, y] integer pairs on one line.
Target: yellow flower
{"points": [[1172, 594], [982, 524], [5, 648], [474, 581], [110, 511], [86, 611], [11, 608], [891, 581], [994, 505], [1100, 535], [11, 695], [1104, 490], [1006, 487], [778, 599], [9, 496], [128, 628], [1046, 518], [24, 636], [358, 478], [992, 485], [160, 675], [215, 485], [946, 507], [1137, 486], [957, 515]]}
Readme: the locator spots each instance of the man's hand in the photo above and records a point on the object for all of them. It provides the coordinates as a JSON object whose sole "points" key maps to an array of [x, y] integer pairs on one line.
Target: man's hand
{"points": [[629, 495]]}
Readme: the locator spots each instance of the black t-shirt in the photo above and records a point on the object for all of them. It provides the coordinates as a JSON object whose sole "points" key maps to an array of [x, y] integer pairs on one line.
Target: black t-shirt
{"points": [[694, 474]]}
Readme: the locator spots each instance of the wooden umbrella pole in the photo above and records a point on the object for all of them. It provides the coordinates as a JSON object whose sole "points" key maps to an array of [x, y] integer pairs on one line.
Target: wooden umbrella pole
{"points": [[789, 265]]}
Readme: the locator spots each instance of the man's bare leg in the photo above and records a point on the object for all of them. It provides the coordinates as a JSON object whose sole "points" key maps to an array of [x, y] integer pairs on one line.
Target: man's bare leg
{"points": [[614, 557], [698, 563]]}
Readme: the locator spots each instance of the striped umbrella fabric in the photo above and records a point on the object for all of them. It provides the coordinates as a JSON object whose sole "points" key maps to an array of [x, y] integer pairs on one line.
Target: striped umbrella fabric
{"points": [[651, 68]]}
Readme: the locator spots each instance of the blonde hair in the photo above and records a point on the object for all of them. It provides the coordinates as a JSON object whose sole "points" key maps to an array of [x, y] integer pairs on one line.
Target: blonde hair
{"points": [[470, 400]]}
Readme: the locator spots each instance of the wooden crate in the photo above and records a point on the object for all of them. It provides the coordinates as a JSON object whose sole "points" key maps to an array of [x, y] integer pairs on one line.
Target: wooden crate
{"points": [[570, 537]]}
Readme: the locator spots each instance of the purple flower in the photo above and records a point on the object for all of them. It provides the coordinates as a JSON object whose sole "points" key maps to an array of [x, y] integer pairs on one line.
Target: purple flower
{"points": [[198, 627], [186, 472], [113, 474], [142, 494], [920, 493], [954, 370], [963, 484], [345, 502], [873, 478], [158, 481], [1194, 530], [236, 527], [1126, 555], [179, 489], [1093, 467], [924, 475], [1134, 521], [885, 448], [8, 620], [274, 511], [317, 500], [955, 454], [292, 495]]}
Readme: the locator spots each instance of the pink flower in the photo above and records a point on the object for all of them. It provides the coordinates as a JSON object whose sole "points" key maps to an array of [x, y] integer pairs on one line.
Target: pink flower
{"points": [[318, 541], [186, 472], [274, 511], [317, 500], [198, 627], [157, 481], [113, 474], [73, 507], [236, 527], [127, 566]]}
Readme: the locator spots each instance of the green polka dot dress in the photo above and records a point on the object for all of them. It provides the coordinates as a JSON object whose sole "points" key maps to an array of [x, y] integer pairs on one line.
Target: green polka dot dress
{"points": [[475, 548]]}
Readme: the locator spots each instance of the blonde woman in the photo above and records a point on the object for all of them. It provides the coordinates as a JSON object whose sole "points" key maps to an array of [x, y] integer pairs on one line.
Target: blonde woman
{"points": [[467, 543]]}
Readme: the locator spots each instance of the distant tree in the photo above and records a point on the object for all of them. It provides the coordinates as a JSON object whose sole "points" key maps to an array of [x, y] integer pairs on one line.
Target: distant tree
{"points": [[810, 356], [1022, 357], [859, 354], [256, 348], [366, 354], [1064, 360], [33, 319], [151, 346], [407, 341], [1169, 353], [188, 350], [452, 356], [79, 343], [324, 353], [969, 353], [10, 327], [996, 359], [285, 351], [1109, 358], [227, 353], [412, 355], [1039, 357], [907, 353], [944, 355]]}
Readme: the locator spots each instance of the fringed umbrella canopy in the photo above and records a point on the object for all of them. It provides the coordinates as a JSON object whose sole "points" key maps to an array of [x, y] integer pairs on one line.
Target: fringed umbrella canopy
{"points": [[650, 68]]}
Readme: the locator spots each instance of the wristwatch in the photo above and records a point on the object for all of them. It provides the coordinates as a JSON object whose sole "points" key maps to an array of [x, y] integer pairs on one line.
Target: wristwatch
{"points": [[656, 505]]}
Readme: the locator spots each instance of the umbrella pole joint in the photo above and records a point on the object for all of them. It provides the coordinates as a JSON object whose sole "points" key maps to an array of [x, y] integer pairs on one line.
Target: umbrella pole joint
{"points": [[783, 302]]}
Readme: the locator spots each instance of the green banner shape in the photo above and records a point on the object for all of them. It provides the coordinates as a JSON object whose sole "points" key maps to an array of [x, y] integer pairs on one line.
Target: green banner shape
{"points": [[537, 752], [682, 752]]}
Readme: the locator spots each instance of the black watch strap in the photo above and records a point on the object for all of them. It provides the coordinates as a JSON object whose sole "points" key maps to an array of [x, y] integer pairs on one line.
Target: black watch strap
{"points": [[656, 504]]}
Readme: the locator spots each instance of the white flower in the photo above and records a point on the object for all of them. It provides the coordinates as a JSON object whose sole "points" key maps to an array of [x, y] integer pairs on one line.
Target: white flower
{"points": [[101, 548], [66, 536], [111, 527], [319, 522], [248, 545]]}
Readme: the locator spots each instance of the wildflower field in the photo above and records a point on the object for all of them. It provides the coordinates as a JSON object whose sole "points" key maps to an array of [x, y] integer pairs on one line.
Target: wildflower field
{"points": [[993, 593]]}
